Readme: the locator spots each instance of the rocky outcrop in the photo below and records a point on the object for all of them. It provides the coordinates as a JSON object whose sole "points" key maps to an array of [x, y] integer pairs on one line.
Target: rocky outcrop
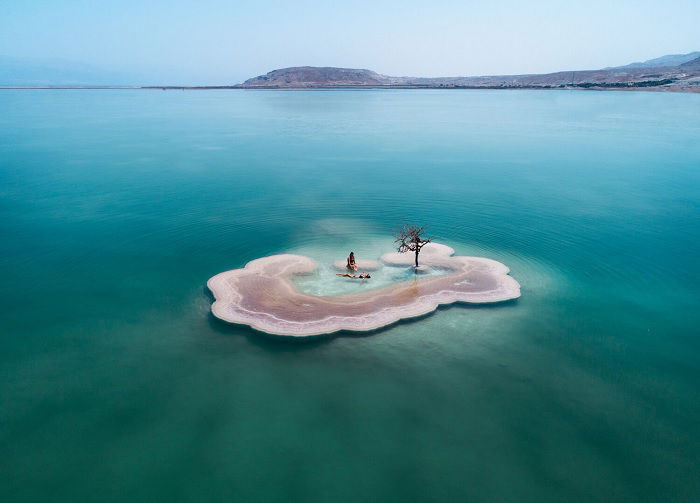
{"points": [[310, 76]]}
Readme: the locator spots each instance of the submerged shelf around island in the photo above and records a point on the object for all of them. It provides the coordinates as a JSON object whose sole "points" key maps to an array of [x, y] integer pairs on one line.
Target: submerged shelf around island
{"points": [[263, 295]]}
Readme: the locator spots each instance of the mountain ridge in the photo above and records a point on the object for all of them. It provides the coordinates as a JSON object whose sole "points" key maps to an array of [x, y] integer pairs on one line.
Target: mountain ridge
{"points": [[682, 76], [667, 60]]}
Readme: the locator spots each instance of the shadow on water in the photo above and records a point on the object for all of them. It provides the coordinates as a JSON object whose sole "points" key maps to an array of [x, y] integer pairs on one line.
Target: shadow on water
{"points": [[274, 343], [277, 343]]}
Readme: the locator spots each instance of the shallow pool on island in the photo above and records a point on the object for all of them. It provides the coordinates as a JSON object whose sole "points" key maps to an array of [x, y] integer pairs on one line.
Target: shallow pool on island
{"points": [[324, 281]]}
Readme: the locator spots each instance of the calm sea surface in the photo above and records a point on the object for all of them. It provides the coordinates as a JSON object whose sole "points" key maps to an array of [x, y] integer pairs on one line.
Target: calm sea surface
{"points": [[116, 384]]}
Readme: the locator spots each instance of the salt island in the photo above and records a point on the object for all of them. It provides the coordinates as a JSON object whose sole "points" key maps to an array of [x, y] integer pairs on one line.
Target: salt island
{"points": [[263, 295]]}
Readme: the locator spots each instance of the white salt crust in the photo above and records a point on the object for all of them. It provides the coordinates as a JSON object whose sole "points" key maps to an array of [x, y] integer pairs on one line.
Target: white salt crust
{"points": [[263, 296]]}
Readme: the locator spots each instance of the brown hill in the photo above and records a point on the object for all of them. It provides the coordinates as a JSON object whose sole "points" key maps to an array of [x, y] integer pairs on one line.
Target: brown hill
{"points": [[685, 77], [311, 76]]}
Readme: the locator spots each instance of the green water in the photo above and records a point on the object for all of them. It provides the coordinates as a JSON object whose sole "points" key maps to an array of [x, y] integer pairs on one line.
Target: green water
{"points": [[116, 384]]}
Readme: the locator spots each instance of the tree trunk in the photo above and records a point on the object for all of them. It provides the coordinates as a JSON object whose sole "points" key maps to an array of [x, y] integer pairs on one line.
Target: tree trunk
{"points": [[416, 257]]}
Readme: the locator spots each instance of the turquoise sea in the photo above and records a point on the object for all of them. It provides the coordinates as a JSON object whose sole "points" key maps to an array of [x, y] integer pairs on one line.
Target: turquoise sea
{"points": [[117, 384]]}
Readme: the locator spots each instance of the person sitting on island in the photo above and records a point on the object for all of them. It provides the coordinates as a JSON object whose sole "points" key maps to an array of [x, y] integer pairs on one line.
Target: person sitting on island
{"points": [[352, 265], [362, 276]]}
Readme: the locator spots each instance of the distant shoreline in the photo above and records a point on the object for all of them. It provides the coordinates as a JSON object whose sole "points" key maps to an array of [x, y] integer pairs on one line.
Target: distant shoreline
{"points": [[351, 87], [670, 73]]}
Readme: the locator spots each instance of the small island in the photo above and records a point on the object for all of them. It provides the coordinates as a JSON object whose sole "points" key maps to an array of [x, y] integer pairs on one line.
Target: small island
{"points": [[263, 295]]}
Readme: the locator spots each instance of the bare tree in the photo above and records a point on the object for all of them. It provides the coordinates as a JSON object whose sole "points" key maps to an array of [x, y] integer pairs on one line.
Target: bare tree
{"points": [[409, 238]]}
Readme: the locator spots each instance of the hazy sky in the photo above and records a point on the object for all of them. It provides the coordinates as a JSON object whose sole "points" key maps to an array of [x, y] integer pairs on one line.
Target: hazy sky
{"points": [[217, 41]]}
